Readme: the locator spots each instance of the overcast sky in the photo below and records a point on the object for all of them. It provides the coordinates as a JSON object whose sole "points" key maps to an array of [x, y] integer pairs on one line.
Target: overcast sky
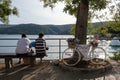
{"points": [[32, 11]]}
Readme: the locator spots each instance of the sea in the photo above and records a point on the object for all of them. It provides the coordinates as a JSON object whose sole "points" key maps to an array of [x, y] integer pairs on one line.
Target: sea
{"points": [[8, 44], [56, 44]]}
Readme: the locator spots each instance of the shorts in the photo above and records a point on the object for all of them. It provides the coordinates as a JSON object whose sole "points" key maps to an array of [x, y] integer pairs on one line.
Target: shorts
{"points": [[41, 55]]}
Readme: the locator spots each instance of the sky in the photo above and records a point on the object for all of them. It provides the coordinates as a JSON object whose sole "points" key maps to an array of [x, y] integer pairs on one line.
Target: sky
{"points": [[32, 11]]}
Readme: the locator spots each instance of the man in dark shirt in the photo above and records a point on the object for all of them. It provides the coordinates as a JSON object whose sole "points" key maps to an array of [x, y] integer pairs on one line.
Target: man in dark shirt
{"points": [[40, 46]]}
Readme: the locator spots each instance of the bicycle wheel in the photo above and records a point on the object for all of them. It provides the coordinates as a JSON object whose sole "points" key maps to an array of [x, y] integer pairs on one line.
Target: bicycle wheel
{"points": [[71, 57], [98, 55]]}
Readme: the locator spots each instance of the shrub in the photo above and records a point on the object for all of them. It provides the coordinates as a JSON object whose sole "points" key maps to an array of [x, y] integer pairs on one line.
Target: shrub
{"points": [[116, 56]]}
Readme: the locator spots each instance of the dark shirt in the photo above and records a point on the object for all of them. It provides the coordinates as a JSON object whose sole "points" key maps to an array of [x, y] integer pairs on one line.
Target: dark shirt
{"points": [[40, 46]]}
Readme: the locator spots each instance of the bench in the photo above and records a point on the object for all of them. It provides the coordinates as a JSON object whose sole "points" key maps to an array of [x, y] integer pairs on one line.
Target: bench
{"points": [[8, 57]]}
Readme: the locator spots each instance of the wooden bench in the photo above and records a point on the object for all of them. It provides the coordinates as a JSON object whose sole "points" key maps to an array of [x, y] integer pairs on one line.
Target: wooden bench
{"points": [[8, 57]]}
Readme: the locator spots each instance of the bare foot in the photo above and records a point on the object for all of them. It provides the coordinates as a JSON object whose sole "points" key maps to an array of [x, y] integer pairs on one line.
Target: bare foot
{"points": [[40, 62]]}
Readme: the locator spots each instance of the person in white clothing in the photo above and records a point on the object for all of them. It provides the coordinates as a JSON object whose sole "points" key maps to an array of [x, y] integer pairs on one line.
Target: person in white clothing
{"points": [[23, 46]]}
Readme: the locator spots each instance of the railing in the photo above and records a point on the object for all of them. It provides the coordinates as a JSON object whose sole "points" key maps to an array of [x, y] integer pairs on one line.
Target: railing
{"points": [[56, 46]]}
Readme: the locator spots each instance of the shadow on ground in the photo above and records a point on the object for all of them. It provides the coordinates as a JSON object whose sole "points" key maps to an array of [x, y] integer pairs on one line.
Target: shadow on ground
{"points": [[20, 71], [50, 71]]}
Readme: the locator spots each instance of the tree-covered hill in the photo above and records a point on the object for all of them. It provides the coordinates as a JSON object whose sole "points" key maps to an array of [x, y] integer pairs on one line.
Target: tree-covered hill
{"points": [[46, 29], [35, 29]]}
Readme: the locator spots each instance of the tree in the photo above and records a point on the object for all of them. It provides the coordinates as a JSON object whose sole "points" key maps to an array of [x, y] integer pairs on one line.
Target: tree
{"points": [[111, 27], [114, 25], [80, 9], [6, 10], [82, 20]]}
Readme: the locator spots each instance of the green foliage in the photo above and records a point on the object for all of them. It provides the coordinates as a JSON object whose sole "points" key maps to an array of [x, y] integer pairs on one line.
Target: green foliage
{"points": [[71, 9], [90, 28], [71, 6], [101, 30], [6, 10], [98, 4], [72, 30], [116, 56], [115, 24], [95, 28]]}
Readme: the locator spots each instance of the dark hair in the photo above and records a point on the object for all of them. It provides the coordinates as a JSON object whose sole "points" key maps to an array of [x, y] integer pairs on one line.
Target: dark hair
{"points": [[24, 35], [41, 35]]}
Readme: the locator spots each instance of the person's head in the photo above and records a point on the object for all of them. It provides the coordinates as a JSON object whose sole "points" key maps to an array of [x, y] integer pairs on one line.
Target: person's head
{"points": [[24, 35], [41, 35]]}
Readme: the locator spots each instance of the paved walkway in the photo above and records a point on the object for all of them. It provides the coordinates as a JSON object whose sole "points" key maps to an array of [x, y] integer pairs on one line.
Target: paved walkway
{"points": [[50, 71]]}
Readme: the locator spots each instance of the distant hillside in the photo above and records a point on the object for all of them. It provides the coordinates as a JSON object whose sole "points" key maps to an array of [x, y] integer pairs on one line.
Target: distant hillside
{"points": [[35, 29]]}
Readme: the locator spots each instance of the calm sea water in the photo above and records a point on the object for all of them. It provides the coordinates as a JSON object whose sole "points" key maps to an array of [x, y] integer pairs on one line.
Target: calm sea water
{"points": [[52, 44], [53, 52]]}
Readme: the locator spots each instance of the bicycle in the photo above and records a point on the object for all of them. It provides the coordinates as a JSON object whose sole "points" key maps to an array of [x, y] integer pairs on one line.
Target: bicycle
{"points": [[75, 53]]}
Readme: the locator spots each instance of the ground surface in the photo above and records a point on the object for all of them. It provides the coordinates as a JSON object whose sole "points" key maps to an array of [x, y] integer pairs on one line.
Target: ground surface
{"points": [[52, 71]]}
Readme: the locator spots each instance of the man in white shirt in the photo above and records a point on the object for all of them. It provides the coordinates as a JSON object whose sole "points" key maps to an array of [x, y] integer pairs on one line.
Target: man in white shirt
{"points": [[23, 46]]}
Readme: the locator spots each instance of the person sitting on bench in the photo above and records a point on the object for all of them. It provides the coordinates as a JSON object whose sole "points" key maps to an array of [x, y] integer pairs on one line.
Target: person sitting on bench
{"points": [[40, 46], [23, 47]]}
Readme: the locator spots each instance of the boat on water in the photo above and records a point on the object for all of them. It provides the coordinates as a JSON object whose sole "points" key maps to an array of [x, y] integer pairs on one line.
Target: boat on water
{"points": [[115, 45]]}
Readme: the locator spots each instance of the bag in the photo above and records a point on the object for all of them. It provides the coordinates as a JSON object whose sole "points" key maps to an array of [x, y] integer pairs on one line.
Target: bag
{"points": [[71, 42], [31, 51], [32, 44]]}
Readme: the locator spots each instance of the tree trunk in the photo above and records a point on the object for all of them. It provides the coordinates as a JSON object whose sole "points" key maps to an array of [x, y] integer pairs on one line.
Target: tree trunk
{"points": [[82, 20]]}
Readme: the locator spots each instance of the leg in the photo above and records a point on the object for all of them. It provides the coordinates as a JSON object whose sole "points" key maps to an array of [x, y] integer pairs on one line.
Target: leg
{"points": [[19, 61], [7, 65], [40, 60], [32, 61], [40, 55], [11, 62]]}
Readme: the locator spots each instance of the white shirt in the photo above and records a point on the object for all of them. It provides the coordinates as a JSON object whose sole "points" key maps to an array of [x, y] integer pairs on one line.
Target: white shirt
{"points": [[22, 46]]}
